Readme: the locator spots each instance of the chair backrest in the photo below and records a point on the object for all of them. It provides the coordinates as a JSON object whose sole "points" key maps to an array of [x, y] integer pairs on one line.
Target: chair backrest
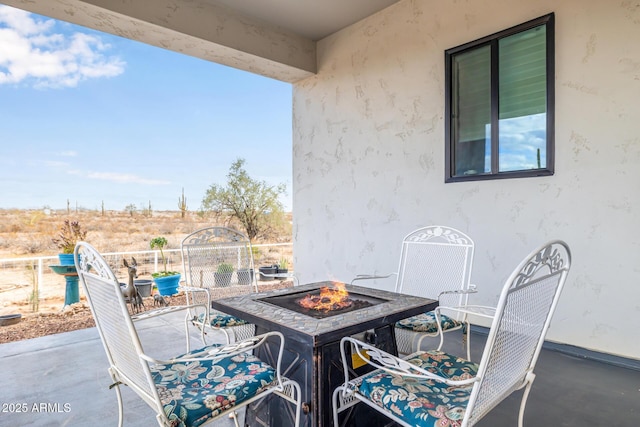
{"points": [[220, 258], [523, 314], [435, 259], [116, 329]]}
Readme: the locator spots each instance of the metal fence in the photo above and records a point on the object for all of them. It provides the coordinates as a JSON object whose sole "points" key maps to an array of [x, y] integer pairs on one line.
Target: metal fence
{"points": [[21, 279]]}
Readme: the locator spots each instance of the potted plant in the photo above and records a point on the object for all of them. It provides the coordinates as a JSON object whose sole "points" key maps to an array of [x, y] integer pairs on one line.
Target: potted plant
{"points": [[143, 286], [283, 266], [267, 271], [166, 281], [70, 233], [222, 276], [245, 276]]}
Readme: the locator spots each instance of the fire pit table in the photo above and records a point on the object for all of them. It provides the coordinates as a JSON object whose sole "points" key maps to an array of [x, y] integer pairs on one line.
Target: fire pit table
{"points": [[312, 338]]}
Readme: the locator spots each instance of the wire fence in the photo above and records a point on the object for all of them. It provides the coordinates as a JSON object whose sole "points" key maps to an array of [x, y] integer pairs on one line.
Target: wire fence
{"points": [[31, 280]]}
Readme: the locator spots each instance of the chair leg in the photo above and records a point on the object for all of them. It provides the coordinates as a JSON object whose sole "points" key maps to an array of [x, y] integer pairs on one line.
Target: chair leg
{"points": [[186, 332], [291, 392], [227, 336], [116, 385], [441, 335], [120, 407], [234, 416], [530, 377], [424, 336], [298, 398], [467, 337], [335, 407]]}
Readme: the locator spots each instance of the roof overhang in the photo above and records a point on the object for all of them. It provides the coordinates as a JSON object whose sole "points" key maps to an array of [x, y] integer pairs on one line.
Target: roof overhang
{"points": [[273, 38]]}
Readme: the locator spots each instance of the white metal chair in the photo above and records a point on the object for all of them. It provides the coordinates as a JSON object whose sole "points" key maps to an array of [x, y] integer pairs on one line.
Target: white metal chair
{"points": [[217, 262], [188, 389], [435, 262], [432, 388]]}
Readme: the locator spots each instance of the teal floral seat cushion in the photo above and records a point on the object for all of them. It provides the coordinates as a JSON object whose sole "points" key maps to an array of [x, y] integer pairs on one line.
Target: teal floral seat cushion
{"points": [[419, 402], [427, 323], [218, 319], [193, 392]]}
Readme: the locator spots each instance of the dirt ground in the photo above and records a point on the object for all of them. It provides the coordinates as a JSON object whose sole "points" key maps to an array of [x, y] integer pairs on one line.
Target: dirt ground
{"points": [[28, 233], [78, 316], [71, 318], [41, 324]]}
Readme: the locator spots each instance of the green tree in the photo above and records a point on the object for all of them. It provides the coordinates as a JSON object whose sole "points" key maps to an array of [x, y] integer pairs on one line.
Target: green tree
{"points": [[255, 204]]}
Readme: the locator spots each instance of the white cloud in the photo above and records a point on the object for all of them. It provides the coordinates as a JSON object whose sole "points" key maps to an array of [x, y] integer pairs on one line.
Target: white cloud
{"points": [[31, 52], [124, 178], [69, 153], [55, 164], [520, 140]]}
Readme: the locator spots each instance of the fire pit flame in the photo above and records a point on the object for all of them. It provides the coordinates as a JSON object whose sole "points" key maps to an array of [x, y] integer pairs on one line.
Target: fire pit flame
{"points": [[329, 299]]}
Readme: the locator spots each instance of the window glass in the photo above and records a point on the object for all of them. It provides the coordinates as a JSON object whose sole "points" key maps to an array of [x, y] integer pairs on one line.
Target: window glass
{"points": [[472, 121], [499, 105], [523, 100]]}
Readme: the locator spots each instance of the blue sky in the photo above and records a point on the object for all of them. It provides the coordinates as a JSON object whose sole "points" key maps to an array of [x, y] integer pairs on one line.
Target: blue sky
{"points": [[91, 117]]}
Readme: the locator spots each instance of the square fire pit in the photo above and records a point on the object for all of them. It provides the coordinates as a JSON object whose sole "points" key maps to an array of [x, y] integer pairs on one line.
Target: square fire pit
{"points": [[312, 340], [295, 301]]}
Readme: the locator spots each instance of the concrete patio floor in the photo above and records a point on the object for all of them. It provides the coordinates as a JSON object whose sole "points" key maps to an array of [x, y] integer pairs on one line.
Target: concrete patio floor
{"points": [[68, 373], [62, 380]]}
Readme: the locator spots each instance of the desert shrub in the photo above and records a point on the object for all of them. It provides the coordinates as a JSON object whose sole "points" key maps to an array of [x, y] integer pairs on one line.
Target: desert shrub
{"points": [[130, 228], [28, 232], [110, 246], [166, 228], [15, 227], [33, 245]]}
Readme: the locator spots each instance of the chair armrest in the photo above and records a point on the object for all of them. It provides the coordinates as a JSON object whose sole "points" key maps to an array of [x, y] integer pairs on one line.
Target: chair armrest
{"points": [[372, 276], [197, 296], [475, 310], [229, 350], [192, 289], [165, 310], [471, 290], [387, 362]]}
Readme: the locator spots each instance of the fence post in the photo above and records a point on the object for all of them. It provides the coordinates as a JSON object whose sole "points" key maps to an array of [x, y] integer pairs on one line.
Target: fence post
{"points": [[40, 272], [155, 260]]}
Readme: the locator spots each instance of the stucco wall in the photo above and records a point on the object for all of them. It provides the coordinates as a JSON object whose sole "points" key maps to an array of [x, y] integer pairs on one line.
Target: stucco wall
{"points": [[368, 158]]}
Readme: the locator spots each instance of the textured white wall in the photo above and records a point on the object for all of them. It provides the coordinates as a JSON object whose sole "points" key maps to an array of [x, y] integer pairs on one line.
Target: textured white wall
{"points": [[369, 158]]}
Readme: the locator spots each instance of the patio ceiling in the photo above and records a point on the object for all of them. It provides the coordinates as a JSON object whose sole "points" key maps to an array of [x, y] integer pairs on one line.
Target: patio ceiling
{"points": [[274, 38], [311, 19]]}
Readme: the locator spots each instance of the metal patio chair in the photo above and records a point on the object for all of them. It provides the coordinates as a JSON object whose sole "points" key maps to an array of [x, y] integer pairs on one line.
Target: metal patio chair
{"points": [[431, 388], [435, 262], [217, 262], [188, 389]]}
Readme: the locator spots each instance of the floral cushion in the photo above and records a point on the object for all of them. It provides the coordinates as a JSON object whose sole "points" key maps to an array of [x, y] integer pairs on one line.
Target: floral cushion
{"points": [[222, 320], [194, 392], [426, 322], [419, 402]]}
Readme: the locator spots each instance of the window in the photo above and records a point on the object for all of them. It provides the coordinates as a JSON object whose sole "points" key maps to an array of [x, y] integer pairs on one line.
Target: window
{"points": [[500, 104]]}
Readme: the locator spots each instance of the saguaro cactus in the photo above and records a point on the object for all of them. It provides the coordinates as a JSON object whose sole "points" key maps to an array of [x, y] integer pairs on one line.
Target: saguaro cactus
{"points": [[182, 204]]}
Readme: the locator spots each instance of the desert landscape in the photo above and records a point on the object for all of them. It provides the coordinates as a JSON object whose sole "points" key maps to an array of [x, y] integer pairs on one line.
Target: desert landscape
{"points": [[25, 234]]}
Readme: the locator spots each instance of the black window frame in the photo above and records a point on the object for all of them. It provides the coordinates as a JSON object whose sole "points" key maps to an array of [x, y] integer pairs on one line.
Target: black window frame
{"points": [[492, 40]]}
